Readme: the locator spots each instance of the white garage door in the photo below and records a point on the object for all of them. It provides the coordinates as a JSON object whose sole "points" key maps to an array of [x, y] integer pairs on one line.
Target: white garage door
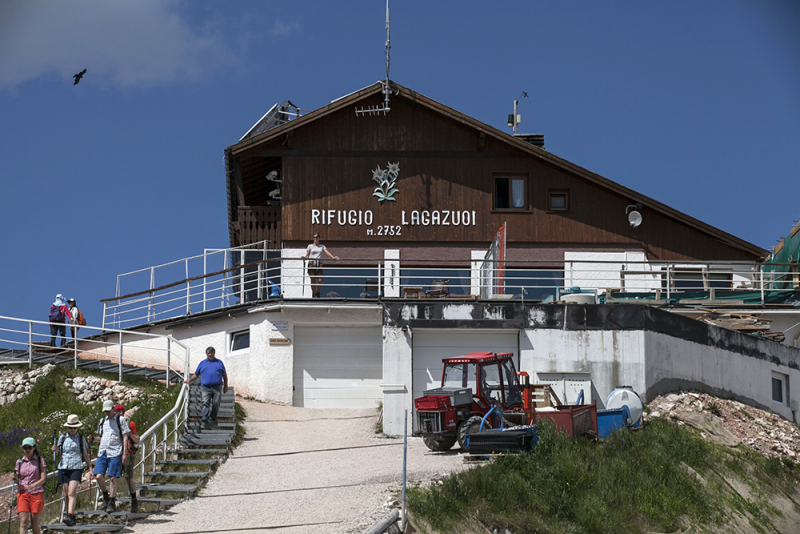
{"points": [[431, 346], [338, 367]]}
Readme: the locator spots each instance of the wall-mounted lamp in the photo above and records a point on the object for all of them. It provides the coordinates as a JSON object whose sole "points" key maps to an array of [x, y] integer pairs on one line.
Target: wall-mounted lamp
{"points": [[634, 217]]}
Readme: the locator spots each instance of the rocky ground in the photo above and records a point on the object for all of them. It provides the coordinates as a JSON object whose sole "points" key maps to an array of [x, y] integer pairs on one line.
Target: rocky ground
{"points": [[730, 422]]}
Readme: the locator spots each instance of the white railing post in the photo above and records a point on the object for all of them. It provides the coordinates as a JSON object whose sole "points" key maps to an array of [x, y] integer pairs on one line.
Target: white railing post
{"points": [[241, 277], [120, 356], [761, 275], [30, 344], [188, 289], [75, 348], [669, 283], [380, 285], [105, 309], [143, 446], [169, 353], [166, 439], [151, 304]]}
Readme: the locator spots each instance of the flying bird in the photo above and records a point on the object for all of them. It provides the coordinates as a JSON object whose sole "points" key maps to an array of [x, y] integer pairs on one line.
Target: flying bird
{"points": [[79, 76]]}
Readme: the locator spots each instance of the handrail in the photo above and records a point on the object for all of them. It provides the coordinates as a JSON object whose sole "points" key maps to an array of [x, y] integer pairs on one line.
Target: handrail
{"points": [[178, 414]]}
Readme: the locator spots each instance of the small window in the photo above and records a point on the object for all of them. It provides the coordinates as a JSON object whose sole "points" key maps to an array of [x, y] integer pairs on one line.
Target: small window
{"points": [[509, 193], [558, 200], [779, 388], [240, 340]]}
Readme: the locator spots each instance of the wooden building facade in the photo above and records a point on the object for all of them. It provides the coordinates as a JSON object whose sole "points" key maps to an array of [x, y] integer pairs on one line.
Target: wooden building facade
{"points": [[425, 177]]}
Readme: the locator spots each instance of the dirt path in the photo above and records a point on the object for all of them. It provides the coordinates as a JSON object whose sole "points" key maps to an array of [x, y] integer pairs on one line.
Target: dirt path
{"points": [[303, 471]]}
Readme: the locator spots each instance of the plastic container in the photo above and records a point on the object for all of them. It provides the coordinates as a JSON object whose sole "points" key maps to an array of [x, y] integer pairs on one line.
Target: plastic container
{"points": [[609, 421], [626, 396]]}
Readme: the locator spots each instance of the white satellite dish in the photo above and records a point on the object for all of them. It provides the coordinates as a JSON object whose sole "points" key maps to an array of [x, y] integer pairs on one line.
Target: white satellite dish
{"points": [[635, 218]]}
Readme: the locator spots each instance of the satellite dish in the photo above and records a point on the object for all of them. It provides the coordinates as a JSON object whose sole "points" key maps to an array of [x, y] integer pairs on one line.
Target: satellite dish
{"points": [[635, 218]]}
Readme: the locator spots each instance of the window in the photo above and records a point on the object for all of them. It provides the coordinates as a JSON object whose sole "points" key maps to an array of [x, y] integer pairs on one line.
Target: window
{"points": [[240, 340], [509, 193], [460, 375], [490, 382], [533, 284], [697, 279], [779, 388], [558, 200]]}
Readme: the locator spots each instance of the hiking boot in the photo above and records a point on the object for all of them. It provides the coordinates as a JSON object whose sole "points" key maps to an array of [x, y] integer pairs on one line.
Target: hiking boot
{"points": [[134, 504], [69, 520], [106, 500], [112, 506]]}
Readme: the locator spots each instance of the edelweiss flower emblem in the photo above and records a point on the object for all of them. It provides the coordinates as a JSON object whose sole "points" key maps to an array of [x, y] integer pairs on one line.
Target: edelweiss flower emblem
{"points": [[386, 180]]}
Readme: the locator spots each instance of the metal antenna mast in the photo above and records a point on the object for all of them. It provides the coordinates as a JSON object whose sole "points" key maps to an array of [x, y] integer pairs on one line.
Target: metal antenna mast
{"points": [[384, 108]]}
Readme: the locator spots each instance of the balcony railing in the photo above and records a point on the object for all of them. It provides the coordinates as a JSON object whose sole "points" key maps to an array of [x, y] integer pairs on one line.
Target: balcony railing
{"points": [[253, 276]]}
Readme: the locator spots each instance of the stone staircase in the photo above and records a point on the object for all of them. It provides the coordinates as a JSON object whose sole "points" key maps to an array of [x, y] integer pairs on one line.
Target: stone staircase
{"points": [[177, 478]]}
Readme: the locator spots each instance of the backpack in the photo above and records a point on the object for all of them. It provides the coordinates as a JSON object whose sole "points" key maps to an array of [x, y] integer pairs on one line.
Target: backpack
{"points": [[102, 422], [56, 314], [61, 443], [81, 319]]}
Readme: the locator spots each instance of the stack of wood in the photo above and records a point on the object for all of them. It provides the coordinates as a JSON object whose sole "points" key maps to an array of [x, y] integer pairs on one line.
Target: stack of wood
{"points": [[742, 322]]}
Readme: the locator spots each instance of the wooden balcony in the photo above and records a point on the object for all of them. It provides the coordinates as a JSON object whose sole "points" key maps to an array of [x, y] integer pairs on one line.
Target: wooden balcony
{"points": [[259, 223]]}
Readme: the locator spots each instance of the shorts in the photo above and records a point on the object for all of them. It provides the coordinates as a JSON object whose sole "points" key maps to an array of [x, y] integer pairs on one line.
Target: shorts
{"points": [[66, 476], [113, 465], [32, 503], [314, 272]]}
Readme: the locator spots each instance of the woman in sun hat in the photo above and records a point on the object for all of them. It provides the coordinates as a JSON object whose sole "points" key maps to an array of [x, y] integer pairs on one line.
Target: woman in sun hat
{"points": [[30, 474], [74, 451]]}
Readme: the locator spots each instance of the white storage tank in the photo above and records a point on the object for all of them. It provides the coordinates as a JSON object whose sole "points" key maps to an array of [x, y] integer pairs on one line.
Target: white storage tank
{"points": [[626, 396]]}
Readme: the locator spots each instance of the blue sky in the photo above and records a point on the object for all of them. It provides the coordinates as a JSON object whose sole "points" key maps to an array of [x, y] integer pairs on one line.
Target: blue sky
{"points": [[695, 104]]}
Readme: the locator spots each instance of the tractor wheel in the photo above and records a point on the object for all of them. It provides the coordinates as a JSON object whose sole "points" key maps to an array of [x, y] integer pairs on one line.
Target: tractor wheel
{"points": [[439, 445], [468, 427]]}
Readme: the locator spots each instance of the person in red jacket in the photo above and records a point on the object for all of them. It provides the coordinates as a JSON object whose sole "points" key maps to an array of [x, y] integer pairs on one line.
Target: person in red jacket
{"points": [[59, 316]]}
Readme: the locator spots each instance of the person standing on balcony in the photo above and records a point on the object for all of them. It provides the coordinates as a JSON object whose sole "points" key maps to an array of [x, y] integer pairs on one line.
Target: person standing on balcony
{"points": [[59, 315], [314, 255], [213, 383]]}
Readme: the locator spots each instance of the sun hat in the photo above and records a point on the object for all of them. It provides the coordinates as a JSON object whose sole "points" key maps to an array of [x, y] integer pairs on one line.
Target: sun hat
{"points": [[119, 408], [29, 441], [108, 405], [71, 300], [73, 422]]}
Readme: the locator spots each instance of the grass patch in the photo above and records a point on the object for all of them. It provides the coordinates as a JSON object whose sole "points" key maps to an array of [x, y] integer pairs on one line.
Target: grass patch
{"points": [[46, 407], [632, 482]]}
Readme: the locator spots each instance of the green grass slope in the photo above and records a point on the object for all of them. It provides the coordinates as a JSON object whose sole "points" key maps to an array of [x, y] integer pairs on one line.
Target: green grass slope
{"points": [[664, 478]]}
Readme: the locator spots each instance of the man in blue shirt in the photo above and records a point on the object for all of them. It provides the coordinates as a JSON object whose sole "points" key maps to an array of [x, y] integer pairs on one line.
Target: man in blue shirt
{"points": [[213, 383]]}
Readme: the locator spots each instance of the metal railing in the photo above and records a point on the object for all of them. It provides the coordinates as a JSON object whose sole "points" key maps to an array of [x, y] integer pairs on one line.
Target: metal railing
{"points": [[289, 278], [119, 347]]}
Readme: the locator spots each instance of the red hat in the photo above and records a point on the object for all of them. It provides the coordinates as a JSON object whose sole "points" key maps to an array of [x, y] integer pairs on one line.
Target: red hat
{"points": [[119, 408]]}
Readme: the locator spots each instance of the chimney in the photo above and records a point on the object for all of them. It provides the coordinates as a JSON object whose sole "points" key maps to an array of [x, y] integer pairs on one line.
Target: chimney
{"points": [[533, 139]]}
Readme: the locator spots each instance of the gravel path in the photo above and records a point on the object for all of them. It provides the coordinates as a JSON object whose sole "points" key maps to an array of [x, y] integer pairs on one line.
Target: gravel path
{"points": [[304, 471]]}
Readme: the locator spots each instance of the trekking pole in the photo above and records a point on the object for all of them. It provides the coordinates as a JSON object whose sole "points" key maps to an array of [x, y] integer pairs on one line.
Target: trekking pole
{"points": [[55, 452], [11, 507]]}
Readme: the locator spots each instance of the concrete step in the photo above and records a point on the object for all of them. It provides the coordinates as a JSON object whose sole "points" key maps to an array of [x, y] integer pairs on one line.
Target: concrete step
{"points": [[86, 527], [152, 500], [122, 514], [197, 451], [174, 488], [187, 474], [188, 462], [204, 442]]}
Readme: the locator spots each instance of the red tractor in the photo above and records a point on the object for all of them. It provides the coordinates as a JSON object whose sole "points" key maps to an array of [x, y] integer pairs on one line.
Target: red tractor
{"points": [[471, 385]]}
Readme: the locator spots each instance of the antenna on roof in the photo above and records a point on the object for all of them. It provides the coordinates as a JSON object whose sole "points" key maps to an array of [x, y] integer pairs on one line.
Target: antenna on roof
{"points": [[383, 108]]}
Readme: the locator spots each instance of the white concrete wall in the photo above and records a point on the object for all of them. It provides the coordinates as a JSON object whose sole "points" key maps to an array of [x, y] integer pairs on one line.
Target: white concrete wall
{"points": [[391, 273], [612, 358], [397, 371], [669, 360]]}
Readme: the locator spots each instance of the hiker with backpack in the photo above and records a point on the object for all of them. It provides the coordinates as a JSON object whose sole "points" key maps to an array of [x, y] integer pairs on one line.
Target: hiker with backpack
{"points": [[127, 469], [30, 475], [112, 433], [76, 318], [59, 315], [74, 451]]}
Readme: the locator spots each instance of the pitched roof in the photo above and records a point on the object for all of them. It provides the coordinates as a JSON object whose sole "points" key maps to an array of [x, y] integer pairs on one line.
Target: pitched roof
{"points": [[533, 151]]}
